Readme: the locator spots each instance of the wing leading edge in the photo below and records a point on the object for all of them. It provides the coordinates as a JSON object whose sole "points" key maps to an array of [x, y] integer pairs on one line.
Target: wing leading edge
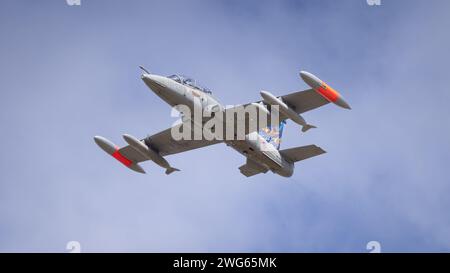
{"points": [[160, 144], [304, 101], [300, 102]]}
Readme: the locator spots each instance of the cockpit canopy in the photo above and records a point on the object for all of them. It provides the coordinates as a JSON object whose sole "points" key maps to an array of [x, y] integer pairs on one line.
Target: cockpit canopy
{"points": [[189, 82]]}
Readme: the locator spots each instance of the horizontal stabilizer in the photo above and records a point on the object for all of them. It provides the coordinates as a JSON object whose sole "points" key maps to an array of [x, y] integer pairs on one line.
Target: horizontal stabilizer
{"points": [[301, 153], [252, 168]]}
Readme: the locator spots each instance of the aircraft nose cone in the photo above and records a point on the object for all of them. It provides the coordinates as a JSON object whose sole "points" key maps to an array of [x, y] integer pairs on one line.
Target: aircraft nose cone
{"points": [[149, 78], [310, 79], [154, 81]]}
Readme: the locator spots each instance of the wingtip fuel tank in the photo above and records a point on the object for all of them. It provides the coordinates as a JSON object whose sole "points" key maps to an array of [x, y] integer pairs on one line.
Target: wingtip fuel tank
{"points": [[114, 151], [105, 144], [324, 89]]}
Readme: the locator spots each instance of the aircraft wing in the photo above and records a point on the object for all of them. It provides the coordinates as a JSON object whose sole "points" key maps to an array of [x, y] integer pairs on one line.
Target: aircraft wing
{"points": [[303, 101], [161, 144], [165, 145], [300, 102]]}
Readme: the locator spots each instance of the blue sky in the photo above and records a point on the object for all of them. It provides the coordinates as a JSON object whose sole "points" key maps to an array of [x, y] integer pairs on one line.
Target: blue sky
{"points": [[69, 73]]}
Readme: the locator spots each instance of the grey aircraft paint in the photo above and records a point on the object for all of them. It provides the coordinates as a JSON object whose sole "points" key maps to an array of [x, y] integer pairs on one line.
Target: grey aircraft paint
{"points": [[261, 155]]}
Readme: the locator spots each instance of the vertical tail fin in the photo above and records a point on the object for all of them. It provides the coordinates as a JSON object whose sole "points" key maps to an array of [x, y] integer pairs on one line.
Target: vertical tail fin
{"points": [[273, 135]]}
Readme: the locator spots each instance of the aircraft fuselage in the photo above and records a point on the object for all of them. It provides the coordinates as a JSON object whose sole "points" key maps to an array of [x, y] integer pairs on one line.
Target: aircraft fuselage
{"points": [[254, 146]]}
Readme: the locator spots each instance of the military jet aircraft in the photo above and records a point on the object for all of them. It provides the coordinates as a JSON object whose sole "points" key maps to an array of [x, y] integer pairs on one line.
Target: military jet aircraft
{"points": [[260, 145]]}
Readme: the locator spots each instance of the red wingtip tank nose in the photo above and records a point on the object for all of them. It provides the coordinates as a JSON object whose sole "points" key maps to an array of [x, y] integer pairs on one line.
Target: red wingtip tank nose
{"points": [[324, 89]]}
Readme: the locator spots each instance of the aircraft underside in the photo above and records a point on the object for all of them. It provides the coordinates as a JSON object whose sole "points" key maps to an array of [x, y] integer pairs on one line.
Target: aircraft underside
{"points": [[261, 138]]}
